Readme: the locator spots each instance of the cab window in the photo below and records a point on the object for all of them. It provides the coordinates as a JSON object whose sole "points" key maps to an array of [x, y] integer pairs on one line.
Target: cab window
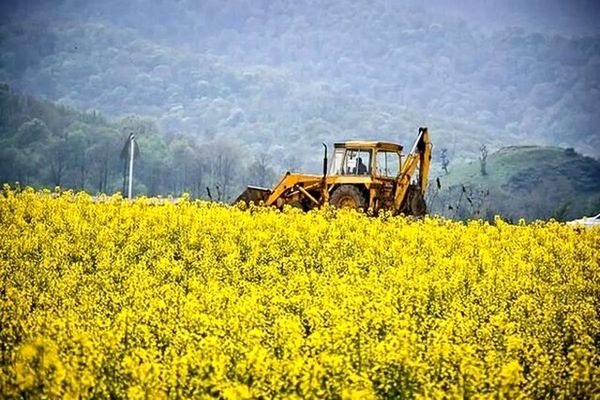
{"points": [[338, 162], [357, 162], [351, 162], [388, 163]]}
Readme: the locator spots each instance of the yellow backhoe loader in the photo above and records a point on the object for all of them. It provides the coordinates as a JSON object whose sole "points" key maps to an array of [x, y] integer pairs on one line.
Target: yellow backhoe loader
{"points": [[362, 175]]}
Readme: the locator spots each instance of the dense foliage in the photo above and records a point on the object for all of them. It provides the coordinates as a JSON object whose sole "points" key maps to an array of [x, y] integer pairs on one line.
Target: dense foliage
{"points": [[48, 145], [225, 95], [109, 298], [283, 75]]}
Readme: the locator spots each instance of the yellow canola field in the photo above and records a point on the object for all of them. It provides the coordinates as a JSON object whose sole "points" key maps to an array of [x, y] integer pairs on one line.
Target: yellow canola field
{"points": [[121, 299]]}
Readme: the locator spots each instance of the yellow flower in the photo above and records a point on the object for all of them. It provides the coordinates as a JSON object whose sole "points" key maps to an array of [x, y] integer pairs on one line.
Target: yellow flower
{"points": [[154, 299]]}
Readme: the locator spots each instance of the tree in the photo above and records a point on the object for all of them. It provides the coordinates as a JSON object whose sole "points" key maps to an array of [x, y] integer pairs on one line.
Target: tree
{"points": [[186, 166], [483, 154], [444, 159], [223, 166], [78, 144], [57, 157], [31, 144], [104, 156], [8, 162], [154, 166], [32, 131], [260, 172]]}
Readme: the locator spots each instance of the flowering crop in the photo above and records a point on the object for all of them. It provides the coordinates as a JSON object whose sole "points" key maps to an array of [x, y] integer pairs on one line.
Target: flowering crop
{"points": [[110, 298]]}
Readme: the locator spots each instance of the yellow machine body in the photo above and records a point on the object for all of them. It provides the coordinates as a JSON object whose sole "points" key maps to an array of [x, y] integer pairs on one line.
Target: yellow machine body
{"points": [[362, 174]]}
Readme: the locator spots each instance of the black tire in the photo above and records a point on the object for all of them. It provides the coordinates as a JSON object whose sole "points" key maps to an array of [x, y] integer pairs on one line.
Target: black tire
{"points": [[415, 203], [348, 196], [299, 205]]}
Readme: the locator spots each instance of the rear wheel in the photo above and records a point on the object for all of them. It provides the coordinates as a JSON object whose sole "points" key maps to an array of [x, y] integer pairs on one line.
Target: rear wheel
{"points": [[348, 196], [415, 203]]}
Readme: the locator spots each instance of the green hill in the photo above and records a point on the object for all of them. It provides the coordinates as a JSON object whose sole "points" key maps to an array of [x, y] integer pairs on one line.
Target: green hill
{"points": [[117, 72], [521, 182], [44, 144], [282, 78]]}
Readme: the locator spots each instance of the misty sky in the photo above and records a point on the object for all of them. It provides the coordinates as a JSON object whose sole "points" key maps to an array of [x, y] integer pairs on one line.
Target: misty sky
{"points": [[562, 16], [578, 17]]}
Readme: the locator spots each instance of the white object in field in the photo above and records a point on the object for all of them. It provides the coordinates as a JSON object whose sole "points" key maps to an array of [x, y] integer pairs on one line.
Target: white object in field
{"points": [[586, 221]]}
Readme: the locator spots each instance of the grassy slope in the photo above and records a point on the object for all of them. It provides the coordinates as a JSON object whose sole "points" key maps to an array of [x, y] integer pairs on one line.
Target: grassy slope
{"points": [[527, 181]]}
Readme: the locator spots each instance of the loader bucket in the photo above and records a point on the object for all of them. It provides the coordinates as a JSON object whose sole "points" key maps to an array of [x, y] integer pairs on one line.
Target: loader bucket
{"points": [[253, 194]]}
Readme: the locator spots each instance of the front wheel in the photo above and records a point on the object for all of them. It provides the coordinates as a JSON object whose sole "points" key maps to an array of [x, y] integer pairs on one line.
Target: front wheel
{"points": [[299, 204], [348, 196]]}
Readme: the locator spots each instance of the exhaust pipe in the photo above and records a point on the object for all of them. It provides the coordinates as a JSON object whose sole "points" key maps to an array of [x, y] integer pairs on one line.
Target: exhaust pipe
{"points": [[324, 192], [325, 161]]}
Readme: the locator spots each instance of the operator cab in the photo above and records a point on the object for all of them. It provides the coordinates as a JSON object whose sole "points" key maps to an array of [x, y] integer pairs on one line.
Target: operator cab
{"points": [[361, 158]]}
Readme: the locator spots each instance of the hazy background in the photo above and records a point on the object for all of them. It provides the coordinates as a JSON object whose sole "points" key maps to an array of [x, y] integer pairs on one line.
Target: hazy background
{"points": [[225, 93]]}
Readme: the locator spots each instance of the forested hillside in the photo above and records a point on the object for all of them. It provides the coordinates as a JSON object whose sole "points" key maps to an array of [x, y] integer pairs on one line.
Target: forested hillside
{"points": [[266, 109], [282, 75], [47, 145], [229, 94]]}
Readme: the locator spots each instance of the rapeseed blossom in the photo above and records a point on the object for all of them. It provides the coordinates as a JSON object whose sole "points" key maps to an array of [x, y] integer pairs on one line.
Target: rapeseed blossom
{"points": [[148, 299]]}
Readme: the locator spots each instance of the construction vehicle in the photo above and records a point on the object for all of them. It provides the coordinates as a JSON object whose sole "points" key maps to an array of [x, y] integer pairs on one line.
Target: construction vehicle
{"points": [[363, 175]]}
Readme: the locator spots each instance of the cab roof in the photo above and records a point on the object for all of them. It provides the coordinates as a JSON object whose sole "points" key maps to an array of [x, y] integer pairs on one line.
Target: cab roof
{"points": [[369, 144]]}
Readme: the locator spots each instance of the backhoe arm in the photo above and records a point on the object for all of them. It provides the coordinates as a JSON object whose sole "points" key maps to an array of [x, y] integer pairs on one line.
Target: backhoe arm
{"points": [[419, 157]]}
